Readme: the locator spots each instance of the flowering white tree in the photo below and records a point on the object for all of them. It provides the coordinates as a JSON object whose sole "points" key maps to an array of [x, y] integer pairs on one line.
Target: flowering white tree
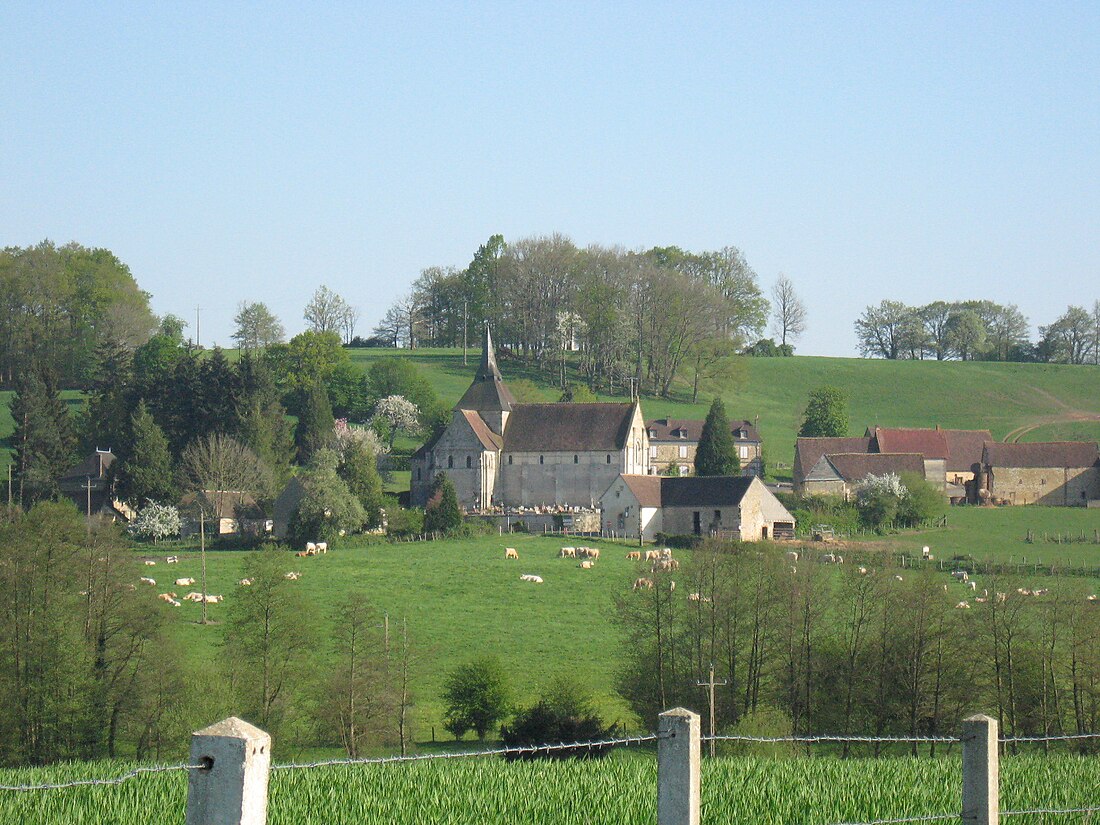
{"points": [[879, 498], [396, 412], [347, 435], [155, 521]]}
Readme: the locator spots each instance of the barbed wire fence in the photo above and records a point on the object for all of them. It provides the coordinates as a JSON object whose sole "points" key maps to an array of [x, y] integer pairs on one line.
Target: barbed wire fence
{"points": [[230, 762]]}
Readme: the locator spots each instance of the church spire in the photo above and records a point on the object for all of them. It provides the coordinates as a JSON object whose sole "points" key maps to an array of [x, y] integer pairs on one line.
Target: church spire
{"points": [[488, 370], [488, 391]]}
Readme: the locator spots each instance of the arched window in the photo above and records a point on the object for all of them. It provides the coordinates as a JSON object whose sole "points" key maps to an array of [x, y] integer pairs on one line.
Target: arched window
{"points": [[509, 459], [469, 463], [575, 460], [450, 462], [609, 458], [540, 459]]}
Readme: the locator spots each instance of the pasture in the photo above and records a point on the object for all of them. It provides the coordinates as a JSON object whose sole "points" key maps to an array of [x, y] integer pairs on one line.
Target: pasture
{"points": [[461, 599], [620, 789]]}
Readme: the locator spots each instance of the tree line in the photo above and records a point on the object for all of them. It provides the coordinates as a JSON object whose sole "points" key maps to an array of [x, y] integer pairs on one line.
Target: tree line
{"points": [[89, 668], [976, 331], [850, 650], [643, 317]]}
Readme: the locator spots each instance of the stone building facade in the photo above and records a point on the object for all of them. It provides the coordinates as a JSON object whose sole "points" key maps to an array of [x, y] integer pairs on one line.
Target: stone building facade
{"points": [[498, 452], [673, 442], [1053, 473]]}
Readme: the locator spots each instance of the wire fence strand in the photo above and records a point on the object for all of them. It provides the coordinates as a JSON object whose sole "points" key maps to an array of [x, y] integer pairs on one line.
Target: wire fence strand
{"points": [[1066, 737], [518, 751], [118, 780], [923, 818], [1051, 811], [728, 737]]}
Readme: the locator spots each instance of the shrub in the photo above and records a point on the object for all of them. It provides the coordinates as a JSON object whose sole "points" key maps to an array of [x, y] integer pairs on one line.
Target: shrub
{"points": [[156, 522], [563, 714], [764, 721]]}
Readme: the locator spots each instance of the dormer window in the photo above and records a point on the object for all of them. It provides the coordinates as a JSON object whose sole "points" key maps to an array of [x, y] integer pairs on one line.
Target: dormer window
{"points": [[652, 433], [683, 433]]}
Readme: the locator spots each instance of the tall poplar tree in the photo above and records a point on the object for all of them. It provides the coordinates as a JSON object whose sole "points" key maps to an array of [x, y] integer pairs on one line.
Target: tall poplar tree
{"points": [[43, 437]]}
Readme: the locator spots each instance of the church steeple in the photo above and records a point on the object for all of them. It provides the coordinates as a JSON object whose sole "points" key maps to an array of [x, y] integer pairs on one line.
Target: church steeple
{"points": [[488, 393], [488, 370]]}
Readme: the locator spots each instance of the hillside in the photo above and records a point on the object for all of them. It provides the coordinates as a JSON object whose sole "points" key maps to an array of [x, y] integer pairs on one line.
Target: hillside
{"points": [[1032, 402]]}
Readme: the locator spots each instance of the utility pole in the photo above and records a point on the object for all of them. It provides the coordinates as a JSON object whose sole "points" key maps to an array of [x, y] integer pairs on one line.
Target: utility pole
{"points": [[710, 683], [88, 490], [9, 485], [465, 326], [202, 548]]}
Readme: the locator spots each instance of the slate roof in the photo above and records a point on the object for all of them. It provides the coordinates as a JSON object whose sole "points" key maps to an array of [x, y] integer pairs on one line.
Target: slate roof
{"points": [[662, 430], [533, 428], [704, 491], [808, 451], [929, 443], [95, 466], [856, 466], [489, 440], [488, 390], [965, 448], [1041, 454]]}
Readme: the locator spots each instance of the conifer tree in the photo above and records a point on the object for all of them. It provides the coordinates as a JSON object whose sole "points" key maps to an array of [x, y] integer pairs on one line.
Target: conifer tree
{"points": [[315, 422], [442, 514], [360, 472], [716, 454], [43, 437], [146, 472]]}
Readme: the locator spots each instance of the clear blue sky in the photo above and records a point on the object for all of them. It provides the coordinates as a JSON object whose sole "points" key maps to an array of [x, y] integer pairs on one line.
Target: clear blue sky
{"points": [[231, 151]]}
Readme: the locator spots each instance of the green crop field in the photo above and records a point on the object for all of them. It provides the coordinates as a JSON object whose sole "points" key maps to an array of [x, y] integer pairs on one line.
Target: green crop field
{"points": [[621, 789]]}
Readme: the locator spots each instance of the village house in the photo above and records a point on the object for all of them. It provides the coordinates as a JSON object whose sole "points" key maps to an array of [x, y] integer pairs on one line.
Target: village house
{"points": [[88, 486], [1056, 473], [736, 507], [499, 452], [673, 442], [840, 474]]}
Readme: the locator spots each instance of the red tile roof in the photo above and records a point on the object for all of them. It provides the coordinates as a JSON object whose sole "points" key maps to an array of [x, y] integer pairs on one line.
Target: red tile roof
{"points": [[856, 466], [964, 448], [929, 443]]}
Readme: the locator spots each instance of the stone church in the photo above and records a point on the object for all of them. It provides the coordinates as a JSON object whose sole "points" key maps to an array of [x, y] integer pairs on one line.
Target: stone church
{"points": [[498, 452]]}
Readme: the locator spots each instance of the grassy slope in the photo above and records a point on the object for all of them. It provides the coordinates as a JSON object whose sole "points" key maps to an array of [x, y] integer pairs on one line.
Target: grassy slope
{"points": [[1000, 397]]}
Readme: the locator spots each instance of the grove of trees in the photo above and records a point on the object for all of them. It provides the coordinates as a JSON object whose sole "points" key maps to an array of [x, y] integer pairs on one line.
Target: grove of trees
{"points": [[976, 331], [643, 317]]}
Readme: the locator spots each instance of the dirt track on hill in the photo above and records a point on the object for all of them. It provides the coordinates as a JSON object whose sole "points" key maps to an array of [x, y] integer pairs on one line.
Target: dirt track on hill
{"points": [[1068, 416]]}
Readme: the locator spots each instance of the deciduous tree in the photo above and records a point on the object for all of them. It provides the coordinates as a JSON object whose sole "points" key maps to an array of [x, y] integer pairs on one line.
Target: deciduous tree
{"points": [[788, 311], [256, 326], [476, 696], [826, 414]]}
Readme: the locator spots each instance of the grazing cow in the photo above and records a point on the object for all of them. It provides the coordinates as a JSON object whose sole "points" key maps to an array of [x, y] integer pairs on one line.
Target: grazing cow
{"points": [[164, 597], [593, 552], [634, 555], [643, 583], [792, 555], [693, 597], [586, 565], [671, 585], [245, 582], [213, 599], [510, 553], [962, 606], [174, 603], [1090, 598], [322, 547], [193, 597], [147, 580], [172, 560], [528, 577], [568, 553], [652, 555], [829, 558], [863, 571], [150, 563], [184, 582], [898, 578], [311, 546], [973, 585], [293, 575]]}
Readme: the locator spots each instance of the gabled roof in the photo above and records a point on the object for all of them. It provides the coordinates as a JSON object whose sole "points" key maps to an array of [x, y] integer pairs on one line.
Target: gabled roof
{"points": [[1042, 454], [688, 429], [809, 450], [932, 444], [94, 466], [488, 391], [965, 447], [534, 428], [489, 440], [704, 491], [647, 489], [688, 491], [223, 503], [852, 467]]}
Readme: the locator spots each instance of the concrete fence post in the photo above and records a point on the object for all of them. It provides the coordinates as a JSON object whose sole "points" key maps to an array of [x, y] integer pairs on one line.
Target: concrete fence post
{"points": [[981, 803], [232, 788], [678, 783]]}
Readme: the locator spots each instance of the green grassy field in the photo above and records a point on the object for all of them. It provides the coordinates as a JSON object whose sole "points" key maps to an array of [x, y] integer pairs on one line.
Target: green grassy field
{"points": [[461, 599], [621, 789]]}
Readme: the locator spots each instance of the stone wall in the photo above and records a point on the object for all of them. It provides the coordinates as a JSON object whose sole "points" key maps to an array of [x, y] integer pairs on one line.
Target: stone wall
{"points": [[1051, 486]]}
